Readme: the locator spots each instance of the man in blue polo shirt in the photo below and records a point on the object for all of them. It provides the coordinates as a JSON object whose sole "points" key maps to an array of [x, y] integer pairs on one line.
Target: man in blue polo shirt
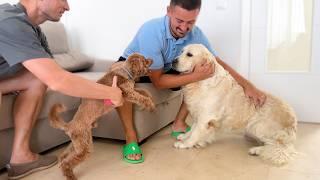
{"points": [[162, 40]]}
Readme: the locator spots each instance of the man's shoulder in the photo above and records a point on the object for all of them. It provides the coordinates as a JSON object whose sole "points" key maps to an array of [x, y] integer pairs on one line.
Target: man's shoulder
{"points": [[154, 24], [8, 11], [13, 19]]}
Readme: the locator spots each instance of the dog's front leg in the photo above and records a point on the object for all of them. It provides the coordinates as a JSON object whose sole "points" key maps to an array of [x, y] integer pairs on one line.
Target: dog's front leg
{"points": [[201, 134], [143, 92], [190, 139], [144, 101]]}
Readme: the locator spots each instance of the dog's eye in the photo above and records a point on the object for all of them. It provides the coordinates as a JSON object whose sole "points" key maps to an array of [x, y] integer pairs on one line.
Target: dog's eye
{"points": [[189, 55]]}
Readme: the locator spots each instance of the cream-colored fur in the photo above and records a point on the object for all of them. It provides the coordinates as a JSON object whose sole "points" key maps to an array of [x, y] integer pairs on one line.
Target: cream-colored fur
{"points": [[219, 102]]}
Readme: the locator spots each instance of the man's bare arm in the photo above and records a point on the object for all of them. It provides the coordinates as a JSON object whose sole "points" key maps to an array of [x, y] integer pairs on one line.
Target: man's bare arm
{"points": [[255, 95], [165, 81], [56, 78]]}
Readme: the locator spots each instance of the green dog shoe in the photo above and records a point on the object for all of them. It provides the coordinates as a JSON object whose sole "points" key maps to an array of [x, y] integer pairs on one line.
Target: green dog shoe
{"points": [[175, 134], [132, 148]]}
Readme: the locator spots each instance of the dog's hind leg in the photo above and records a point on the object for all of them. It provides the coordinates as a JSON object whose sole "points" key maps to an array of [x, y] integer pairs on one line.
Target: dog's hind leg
{"points": [[277, 146], [279, 150], [82, 145], [66, 152], [66, 169]]}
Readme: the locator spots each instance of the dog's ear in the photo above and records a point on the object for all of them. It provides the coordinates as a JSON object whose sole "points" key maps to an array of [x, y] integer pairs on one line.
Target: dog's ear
{"points": [[206, 60], [149, 61], [134, 57], [209, 60]]}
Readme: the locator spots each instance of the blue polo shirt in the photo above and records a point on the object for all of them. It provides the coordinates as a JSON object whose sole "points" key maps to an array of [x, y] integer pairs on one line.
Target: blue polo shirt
{"points": [[154, 40]]}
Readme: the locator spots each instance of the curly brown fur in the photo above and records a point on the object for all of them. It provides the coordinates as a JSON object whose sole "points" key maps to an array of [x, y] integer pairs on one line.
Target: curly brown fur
{"points": [[79, 129]]}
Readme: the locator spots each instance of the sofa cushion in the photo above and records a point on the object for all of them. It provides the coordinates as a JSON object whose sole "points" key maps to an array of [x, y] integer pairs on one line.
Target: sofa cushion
{"points": [[73, 61], [56, 37], [58, 43], [51, 98], [6, 111]]}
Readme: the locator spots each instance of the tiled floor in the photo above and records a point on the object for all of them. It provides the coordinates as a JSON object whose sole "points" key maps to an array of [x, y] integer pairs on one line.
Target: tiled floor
{"points": [[226, 159]]}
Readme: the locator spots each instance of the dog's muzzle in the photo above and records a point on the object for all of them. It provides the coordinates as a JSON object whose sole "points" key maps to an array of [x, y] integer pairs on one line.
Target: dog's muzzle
{"points": [[175, 63]]}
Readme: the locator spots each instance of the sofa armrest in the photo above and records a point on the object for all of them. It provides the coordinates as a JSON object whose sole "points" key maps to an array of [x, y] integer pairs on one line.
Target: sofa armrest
{"points": [[100, 65]]}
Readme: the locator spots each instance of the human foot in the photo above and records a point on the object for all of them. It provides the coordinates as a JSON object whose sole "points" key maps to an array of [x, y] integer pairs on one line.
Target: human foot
{"points": [[179, 128], [132, 153]]}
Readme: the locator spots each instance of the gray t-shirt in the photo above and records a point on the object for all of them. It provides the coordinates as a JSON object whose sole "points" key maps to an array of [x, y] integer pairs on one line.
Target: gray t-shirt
{"points": [[19, 40]]}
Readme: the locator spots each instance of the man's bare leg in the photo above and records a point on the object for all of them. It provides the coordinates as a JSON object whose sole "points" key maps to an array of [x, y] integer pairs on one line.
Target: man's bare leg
{"points": [[179, 123], [126, 115], [26, 109]]}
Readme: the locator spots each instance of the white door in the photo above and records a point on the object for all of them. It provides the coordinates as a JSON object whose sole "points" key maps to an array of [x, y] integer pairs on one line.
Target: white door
{"points": [[285, 52]]}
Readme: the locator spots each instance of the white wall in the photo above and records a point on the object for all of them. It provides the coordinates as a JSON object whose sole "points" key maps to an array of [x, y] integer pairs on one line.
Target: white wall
{"points": [[103, 28]]}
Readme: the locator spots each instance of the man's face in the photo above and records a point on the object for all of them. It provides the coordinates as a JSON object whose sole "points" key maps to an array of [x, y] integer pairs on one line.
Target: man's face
{"points": [[181, 20], [53, 9]]}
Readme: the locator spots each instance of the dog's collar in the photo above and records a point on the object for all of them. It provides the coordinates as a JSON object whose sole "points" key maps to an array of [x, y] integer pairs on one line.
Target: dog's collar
{"points": [[128, 72]]}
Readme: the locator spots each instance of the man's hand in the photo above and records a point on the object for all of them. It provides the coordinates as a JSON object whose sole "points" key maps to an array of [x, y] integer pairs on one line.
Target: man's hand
{"points": [[255, 95], [203, 71], [117, 99]]}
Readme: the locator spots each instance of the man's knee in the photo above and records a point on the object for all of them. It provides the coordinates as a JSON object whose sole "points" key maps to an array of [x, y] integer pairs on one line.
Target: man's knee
{"points": [[39, 87], [35, 84]]}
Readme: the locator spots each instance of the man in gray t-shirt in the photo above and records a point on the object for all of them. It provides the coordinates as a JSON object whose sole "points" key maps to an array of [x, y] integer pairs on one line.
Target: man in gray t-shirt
{"points": [[27, 68], [19, 40]]}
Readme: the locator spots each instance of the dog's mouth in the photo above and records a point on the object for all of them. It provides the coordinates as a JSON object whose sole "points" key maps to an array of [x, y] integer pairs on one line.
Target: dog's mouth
{"points": [[185, 72], [180, 71], [174, 67]]}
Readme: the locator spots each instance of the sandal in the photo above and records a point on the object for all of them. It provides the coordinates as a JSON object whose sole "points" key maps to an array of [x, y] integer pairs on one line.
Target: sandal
{"points": [[175, 134], [132, 148]]}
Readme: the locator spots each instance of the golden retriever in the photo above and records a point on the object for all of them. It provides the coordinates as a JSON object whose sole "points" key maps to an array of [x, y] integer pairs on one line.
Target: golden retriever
{"points": [[219, 102]]}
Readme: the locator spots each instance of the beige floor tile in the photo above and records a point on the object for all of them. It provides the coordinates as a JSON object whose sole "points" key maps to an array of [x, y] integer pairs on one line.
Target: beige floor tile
{"points": [[281, 174], [226, 159]]}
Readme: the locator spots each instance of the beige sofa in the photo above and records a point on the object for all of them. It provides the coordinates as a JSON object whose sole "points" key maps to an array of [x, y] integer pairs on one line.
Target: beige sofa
{"points": [[45, 137]]}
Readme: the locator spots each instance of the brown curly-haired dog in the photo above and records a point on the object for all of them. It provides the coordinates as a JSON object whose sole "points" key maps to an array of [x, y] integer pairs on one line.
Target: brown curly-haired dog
{"points": [[79, 129]]}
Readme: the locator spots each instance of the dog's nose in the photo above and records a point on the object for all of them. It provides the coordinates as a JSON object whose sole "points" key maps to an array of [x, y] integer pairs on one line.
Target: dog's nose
{"points": [[174, 62]]}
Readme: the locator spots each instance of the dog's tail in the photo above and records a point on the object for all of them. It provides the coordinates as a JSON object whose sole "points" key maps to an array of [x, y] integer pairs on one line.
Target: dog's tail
{"points": [[55, 120], [279, 150]]}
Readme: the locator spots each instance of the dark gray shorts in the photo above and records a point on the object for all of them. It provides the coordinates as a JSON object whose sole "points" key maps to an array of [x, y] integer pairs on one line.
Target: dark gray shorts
{"points": [[10, 71], [146, 79]]}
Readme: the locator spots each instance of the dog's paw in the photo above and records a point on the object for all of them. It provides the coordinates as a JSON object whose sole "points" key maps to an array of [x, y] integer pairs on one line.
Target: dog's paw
{"points": [[182, 137], [255, 151], [71, 177], [201, 144], [150, 106], [181, 145]]}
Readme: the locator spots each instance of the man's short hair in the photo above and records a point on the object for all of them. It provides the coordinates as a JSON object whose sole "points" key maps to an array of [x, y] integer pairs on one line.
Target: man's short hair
{"points": [[186, 4]]}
